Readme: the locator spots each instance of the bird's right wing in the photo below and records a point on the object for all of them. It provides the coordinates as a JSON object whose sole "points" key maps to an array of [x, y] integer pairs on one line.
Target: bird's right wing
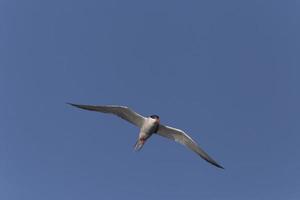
{"points": [[183, 138], [121, 111]]}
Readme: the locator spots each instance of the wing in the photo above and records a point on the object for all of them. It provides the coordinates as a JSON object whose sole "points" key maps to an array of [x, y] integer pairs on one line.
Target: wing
{"points": [[183, 138], [121, 111]]}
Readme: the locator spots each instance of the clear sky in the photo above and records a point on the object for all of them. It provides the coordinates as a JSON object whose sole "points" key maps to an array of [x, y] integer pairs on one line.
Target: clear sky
{"points": [[226, 72]]}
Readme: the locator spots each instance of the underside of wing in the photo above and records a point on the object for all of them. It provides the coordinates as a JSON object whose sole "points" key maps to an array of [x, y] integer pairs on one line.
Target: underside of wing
{"points": [[181, 137], [120, 111]]}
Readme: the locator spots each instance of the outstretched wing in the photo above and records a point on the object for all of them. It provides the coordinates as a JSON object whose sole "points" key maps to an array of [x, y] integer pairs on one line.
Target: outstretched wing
{"points": [[121, 111], [181, 137]]}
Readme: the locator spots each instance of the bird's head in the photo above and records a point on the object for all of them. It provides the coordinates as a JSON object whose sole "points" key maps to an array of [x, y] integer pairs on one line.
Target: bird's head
{"points": [[156, 117]]}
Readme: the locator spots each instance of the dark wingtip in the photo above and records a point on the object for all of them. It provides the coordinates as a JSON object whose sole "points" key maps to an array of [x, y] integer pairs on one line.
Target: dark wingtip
{"points": [[217, 165], [75, 105], [221, 167], [72, 104], [214, 163]]}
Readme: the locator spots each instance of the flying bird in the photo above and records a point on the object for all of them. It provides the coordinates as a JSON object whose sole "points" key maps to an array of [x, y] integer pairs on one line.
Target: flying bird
{"points": [[149, 126]]}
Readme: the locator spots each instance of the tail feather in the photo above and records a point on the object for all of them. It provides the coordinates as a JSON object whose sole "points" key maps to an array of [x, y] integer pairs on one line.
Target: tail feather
{"points": [[138, 145]]}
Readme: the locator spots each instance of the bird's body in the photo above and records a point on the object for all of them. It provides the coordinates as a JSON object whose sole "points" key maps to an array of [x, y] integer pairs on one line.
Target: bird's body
{"points": [[149, 126]]}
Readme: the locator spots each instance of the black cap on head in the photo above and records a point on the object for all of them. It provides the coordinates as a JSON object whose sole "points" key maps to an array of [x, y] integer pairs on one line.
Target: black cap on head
{"points": [[154, 116]]}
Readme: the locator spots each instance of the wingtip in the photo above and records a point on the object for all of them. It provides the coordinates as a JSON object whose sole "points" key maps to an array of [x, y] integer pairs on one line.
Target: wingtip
{"points": [[214, 163], [75, 105], [219, 166], [71, 104]]}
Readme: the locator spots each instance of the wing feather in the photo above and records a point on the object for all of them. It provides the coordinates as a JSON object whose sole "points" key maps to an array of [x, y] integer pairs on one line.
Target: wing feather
{"points": [[120, 111], [183, 138]]}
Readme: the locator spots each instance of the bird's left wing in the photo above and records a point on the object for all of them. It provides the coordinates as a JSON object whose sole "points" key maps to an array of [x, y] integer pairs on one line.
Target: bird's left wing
{"points": [[121, 111], [181, 137]]}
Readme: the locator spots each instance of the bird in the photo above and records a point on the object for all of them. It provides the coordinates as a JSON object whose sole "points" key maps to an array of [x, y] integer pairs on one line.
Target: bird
{"points": [[149, 126]]}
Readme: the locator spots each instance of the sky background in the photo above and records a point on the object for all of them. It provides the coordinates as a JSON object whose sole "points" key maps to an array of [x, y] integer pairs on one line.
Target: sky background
{"points": [[226, 72]]}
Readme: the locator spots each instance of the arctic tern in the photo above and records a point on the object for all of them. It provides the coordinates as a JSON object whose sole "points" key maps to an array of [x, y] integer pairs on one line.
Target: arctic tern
{"points": [[149, 126]]}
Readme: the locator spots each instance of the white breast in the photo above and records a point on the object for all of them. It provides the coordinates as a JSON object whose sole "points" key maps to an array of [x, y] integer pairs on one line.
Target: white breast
{"points": [[149, 126]]}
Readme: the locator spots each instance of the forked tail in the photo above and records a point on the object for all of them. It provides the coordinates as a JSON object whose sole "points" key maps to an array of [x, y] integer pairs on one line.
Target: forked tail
{"points": [[139, 144]]}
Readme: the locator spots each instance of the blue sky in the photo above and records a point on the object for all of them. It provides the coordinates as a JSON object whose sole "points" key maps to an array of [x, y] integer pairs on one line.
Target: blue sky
{"points": [[226, 72]]}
